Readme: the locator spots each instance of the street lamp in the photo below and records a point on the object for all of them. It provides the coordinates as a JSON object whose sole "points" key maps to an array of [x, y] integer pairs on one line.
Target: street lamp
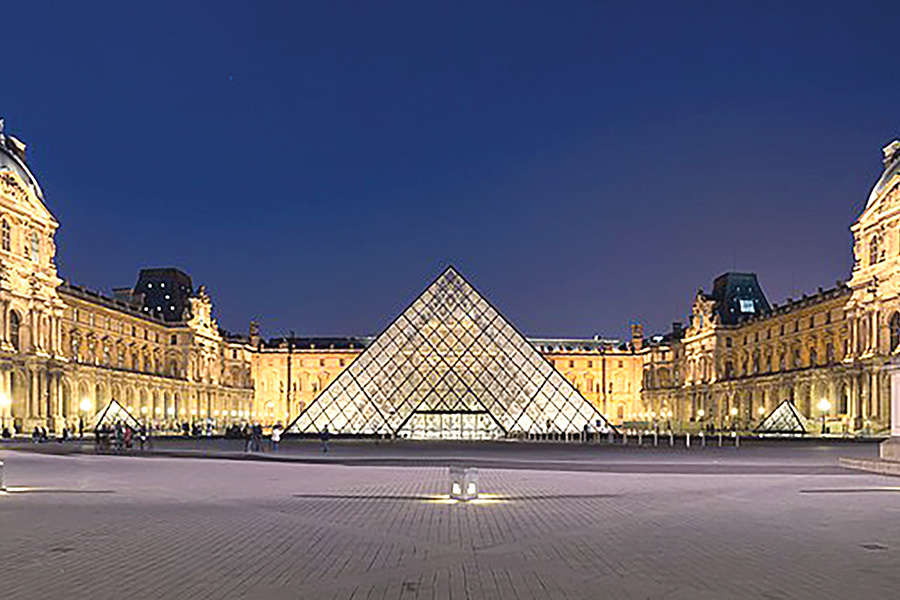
{"points": [[5, 404], [824, 407]]}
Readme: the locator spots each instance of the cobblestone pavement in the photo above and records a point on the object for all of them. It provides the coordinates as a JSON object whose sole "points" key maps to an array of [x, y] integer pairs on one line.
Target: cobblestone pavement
{"points": [[82, 526]]}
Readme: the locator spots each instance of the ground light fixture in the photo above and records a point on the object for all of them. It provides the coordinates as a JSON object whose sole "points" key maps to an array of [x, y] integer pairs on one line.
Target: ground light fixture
{"points": [[463, 483]]}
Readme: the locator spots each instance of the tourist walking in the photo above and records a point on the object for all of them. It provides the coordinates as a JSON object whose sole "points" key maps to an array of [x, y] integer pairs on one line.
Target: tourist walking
{"points": [[324, 437]]}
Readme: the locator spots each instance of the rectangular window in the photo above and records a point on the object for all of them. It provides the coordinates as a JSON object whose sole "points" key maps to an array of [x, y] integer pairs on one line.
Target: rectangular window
{"points": [[174, 340], [571, 364], [621, 364]]}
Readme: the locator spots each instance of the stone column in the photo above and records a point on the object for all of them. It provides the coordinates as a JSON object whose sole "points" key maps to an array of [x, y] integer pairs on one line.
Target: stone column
{"points": [[890, 448]]}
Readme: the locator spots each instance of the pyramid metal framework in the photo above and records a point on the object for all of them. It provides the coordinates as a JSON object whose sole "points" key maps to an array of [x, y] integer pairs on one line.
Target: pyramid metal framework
{"points": [[113, 413], [450, 366], [784, 419]]}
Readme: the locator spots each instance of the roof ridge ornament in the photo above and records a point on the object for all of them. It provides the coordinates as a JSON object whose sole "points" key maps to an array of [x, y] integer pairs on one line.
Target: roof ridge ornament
{"points": [[891, 151]]}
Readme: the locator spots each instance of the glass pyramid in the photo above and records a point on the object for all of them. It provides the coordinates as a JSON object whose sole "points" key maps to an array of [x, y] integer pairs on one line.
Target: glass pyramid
{"points": [[449, 367], [785, 419], [114, 413]]}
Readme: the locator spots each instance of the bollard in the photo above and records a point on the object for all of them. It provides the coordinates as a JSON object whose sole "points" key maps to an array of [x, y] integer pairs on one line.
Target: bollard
{"points": [[609, 437], [687, 440], [671, 439], [702, 439], [655, 438], [640, 437], [737, 439], [720, 439], [624, 437]]}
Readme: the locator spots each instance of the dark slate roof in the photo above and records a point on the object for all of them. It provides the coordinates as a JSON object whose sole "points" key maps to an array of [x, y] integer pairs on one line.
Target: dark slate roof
{"points": [[737, 296]]}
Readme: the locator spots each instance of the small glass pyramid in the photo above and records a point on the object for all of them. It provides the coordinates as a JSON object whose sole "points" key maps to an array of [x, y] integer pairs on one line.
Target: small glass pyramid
{"points": [[113, 413], [785, 419], [449, 367]]}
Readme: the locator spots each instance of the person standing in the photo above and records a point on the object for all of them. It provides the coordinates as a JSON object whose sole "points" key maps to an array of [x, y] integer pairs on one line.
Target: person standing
{"points": [[80, 428], [276, 437], [248, 437]]}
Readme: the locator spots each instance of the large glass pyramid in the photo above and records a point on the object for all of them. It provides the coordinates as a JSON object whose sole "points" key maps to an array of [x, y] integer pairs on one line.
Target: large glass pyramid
{"points": [[449, 367], [784, 420]]}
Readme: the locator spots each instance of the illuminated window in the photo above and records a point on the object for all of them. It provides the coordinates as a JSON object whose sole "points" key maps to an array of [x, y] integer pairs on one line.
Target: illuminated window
{"points": [[14, 323], [6, 235]]}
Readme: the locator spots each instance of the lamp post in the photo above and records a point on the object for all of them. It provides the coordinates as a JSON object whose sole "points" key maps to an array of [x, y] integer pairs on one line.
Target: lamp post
{"points": [[5, 404], [824, 407]]}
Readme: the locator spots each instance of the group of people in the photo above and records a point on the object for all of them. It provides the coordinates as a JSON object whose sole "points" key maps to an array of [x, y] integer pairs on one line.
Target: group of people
{"points": [[120, 437], [253, 436]]}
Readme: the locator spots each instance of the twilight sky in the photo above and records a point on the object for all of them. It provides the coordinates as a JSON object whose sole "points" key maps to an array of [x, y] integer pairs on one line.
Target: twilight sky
{"points": [[583, 164]]}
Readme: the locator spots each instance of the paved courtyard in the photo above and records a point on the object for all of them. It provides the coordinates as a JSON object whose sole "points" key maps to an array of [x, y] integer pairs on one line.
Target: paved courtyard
{"points": [[765, 521]]}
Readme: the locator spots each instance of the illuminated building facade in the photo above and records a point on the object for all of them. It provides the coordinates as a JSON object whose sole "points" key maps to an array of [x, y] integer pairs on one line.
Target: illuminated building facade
{"points": [[739, 358]]}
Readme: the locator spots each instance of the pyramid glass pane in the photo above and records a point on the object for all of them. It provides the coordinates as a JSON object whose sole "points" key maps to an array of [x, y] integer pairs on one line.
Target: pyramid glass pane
{"points": [[449, 367]]}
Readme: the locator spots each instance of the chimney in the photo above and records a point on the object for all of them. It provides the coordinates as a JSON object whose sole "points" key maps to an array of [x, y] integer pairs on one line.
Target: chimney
{"points": [[254, 333], [637, 336]]}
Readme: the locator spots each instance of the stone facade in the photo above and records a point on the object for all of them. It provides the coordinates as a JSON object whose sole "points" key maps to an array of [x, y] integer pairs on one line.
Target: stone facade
{"points": [[826, 352]]}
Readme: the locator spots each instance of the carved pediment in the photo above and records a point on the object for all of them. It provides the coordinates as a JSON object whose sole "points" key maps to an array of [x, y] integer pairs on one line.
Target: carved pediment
{"points": [[14, 189]]}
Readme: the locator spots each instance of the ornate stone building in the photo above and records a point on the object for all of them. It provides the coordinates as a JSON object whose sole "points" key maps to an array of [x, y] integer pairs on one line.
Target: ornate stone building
{"points": [[66, 351], [739, 357]]}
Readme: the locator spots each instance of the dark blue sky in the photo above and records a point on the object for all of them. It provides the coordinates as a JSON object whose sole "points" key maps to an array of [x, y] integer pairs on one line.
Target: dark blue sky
{"points": [[584, 165]]}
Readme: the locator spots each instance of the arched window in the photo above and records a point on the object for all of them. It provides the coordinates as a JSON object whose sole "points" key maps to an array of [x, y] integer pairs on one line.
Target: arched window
{"points": [[813, 357], [14, 323], [5, 235], [895, 331]]}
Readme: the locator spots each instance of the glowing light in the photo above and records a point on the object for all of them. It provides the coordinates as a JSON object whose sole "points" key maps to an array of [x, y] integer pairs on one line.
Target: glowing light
{"points": [[761, 410], [700, 413], [144, 410], [85, 404], [733, 411], [5, 402]]}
